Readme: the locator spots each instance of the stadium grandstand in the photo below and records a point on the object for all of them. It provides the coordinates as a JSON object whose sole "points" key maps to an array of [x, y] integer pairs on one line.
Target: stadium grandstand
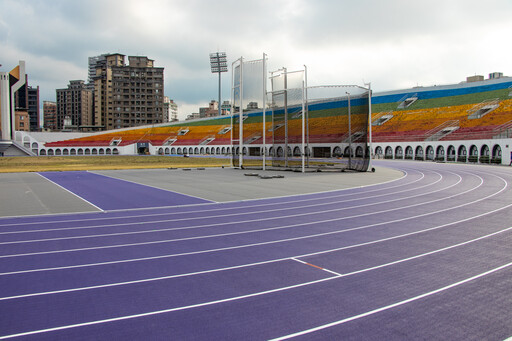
{"points": [[465, 122]]}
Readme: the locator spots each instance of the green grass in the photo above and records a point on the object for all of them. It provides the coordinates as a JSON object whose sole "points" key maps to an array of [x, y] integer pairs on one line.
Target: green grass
{"points": [[69, 163]]}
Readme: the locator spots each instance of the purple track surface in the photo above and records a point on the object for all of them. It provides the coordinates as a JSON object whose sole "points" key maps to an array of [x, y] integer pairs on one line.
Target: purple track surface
{"points": [[110, 194], [428, 256]]}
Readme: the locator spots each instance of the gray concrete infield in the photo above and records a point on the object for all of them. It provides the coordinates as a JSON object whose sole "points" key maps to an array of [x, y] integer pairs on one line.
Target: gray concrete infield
{"points": [[31, 194]]}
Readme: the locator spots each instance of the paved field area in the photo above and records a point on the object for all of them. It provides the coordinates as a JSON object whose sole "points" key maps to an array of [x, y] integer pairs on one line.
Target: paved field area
{"points": [[34, 193], [423, 255]]}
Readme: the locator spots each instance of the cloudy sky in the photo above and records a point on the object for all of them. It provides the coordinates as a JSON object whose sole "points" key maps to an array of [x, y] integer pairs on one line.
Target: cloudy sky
{"points": [[392, 43]]}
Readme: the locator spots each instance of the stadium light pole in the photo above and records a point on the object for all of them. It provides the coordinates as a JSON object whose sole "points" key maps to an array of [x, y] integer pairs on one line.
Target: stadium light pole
{"points": [[218, 65]]}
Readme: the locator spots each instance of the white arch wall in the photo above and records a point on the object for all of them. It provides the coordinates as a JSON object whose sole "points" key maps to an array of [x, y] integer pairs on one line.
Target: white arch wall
{"points": [[505, 144]]}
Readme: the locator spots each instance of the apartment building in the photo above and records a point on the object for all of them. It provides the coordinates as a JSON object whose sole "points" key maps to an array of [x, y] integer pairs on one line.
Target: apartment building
{"points": [[75, 105], [128, 95], [50, 115]]}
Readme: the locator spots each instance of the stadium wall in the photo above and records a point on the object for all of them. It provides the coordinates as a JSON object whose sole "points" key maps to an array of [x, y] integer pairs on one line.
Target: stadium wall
{"points": [[410, 127]]}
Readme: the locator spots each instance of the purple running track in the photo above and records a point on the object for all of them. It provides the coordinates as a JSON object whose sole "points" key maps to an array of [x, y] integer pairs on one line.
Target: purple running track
{"points": [[426, 257], [113, 194]]}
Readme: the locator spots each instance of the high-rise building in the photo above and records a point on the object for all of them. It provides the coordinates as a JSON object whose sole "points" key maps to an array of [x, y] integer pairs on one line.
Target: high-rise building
{"points": [[128, 95], [170, 110], [173, 111], [10, 83], [33, 108], [93, 62], [75, 103], [50, 115], [26, 99]]}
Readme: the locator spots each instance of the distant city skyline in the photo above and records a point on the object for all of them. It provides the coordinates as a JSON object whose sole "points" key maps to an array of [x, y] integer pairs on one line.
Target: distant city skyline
{"points": [[394, 44]]}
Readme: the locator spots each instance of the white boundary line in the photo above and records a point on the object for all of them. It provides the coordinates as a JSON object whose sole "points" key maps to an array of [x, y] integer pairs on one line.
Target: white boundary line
{"points": [[394, 305], [265, 293], [154, 187], [67, 190], [240, 222], [285, 240], [210, 204], [225, 215], [294, 258]]}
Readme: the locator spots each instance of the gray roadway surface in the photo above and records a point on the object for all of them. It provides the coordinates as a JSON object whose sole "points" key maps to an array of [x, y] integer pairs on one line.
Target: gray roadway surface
{"points": [[32, 194]]}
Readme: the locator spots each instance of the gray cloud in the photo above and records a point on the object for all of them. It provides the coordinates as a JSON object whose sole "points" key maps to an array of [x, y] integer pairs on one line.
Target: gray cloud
{"points": [[393, 43]]}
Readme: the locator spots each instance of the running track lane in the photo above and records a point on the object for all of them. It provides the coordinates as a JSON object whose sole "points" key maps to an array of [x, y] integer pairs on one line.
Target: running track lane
{"points": [[111, 194], [485, 301]]}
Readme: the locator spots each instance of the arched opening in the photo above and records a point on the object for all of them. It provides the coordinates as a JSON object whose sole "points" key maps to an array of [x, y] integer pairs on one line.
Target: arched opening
{"points": [[160, 151], [94, 151], [201, 151], [450, 153], [115, 151], [50, 152], [419, 154], [336, 152], [179, 151], [280, 152], [462, 154], [473, 154], [173, 150], [440, 153], [208, 150], [399, 153], [26, 142], [296, 151], [378, 152], [42, 152], [87, 151], [348, 152], [388, 153], [101, 151], [217, 150], [108, 151], [359, 152], [65, 151], [409, 154], [58, 152], [485, 154], [429, 153], [72, 151], [496, 154]]}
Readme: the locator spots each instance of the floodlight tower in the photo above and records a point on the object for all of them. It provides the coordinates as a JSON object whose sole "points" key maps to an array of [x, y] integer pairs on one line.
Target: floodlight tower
{"points": [[218, 64]]}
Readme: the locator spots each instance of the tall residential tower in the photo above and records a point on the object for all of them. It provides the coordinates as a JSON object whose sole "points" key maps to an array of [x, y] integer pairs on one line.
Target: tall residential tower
{"points": [[128, 95]]}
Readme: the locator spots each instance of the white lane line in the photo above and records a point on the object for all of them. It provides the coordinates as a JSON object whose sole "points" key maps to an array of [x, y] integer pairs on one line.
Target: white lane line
{"points": [[273, 242], [150, 186], [391, 306], [238, 232], [316, 267], [215, 216], [208, 204], [231, 299], [164, 310], [339, 190], [295, 258], [235, 247], [76, 195]]}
